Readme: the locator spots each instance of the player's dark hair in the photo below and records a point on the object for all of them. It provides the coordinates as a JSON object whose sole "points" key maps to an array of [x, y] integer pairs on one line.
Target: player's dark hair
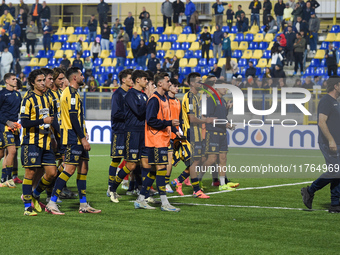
{"points": [[192, 76], [174, 81], [159, 77], [56, 72], [331, 82], [8, 76], [123, 74], [19, 84], [47, 71], [138, 74], [72, 70], [33, 75], [150, 75]]}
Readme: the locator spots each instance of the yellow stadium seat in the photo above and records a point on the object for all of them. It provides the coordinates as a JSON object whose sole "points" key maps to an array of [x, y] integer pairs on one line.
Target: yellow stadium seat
{"points": [[111, 38], [169, 54], [182, 38], [320, 54], [243, 46], [138, 30], [262, 63], [107, 62], [130, 55], [159, 45], [128, 46], [194, 46], [213, 29], [168, 31], [166, 46], [59, 54], [211, 54], [60, 31], [257, 54], [81, 37], [331, 37], [258, 38], [208, 30], [34, 62], [155, 36], [232, 37], [178, 30], [234, 59], [98, 31], [87, 46], [254, 30], [179, 53], [69, 31], [68, 53], [192, 62], [72, 38], [271, 44], [247, 54], [337, 39], [114, 62], [104, 54], [43, 62], [183, 62], [191, 38], [56, 46], [234, 45], [221, 62], [268, 38]]}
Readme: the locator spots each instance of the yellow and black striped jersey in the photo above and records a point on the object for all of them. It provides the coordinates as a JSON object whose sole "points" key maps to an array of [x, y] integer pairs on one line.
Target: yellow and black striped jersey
{"points": [[33, 109], [55, 95], [70, 102], [191, 106]]}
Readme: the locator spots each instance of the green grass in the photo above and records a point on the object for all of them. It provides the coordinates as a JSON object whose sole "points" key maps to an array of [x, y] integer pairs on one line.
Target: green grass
{"points": [[120, 229]]}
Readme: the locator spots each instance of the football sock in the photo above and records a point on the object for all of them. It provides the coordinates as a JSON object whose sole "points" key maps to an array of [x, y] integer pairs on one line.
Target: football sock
{"points": [[148, 181], [15, 172], [3, 174], [131, 185], [42, 185], [9, 170], [195, 184], [160, 181], [183, 176], [112, 171], [81, 184], [167, 179], [59, 185], [222, 180], [119, 178], [49, 189], [27, 192]]}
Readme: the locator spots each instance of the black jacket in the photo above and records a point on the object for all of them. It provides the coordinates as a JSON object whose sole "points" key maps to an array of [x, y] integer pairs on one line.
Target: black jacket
{"points": [[268, 6], [279, 8], [142, 15], [331, 59], [45, 13], [204, 38], [106, 34], [251, 71], [257, 9], [290, 37], [152, 64], [129, 23], [178, 7], [278, 73], [142, 51], [103, 8], [92, 25], [152, 47]]}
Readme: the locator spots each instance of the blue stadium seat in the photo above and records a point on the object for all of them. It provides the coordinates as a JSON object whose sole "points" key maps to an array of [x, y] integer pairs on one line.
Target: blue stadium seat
{"points": [[237, 54], [187, 30], [139, 68], [119, 69], [49, 54], [324, 46], [253, 46], [98, 62], [101, 70], [239, 37], [127, 62], [185, 46], [188, 54], [243, 72], [242, 62], [172, 38], [212, 61], [110, 69], [66, 46], [54, 38], [310, 71], [263, 45], [249, 37], [115, 77], [132, 67], [160, 54], [86, 54], [63, 38], [86, 30], [26, 70], [233, 30], [159, 30], [101, 80], [133, 63], [111, 46], [205, 70], [258, 71], [198, 54], [185, 70], [336, 45], [197, 69], [51, 61], [78, 31], [58, 61], [262, 29], [152, 30], [163, 38], [254, 61], [225, 29], [199, 29], [323, 63], [36, 68], [314, 63], [181, 78], [202, 62], [112, 54], [41, 54], [267, 54], [335, 29], [176, 46], [320, 71], [73, 46]]}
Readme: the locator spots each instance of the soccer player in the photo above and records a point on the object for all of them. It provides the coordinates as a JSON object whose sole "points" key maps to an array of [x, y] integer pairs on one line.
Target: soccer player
{"points": [[10, 101], [216, 136], [192, 148], [135, 110], [157, 140], [36, 118], [329, 142], [74, 141], [118, 124]]}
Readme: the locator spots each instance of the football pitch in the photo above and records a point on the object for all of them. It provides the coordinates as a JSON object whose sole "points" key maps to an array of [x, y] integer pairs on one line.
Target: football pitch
{"points": [[264, 215]]}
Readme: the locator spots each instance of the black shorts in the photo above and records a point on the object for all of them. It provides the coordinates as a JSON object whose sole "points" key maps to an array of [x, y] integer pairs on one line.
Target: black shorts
{"points": [[10, 139], [157, 156], [134, 143], [34, 156], [117, 145], [216, 143], [73, 153]]}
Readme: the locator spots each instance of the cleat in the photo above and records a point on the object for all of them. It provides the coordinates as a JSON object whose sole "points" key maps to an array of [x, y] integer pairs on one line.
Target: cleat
{"points": [[66, 193], [306, 197], [168, 189], [201, 185], [30, 212], [215, 184], [178, 186], [174, 182], [225, 187], [200, 194], [53, 208], [3, 185], [17, 180], [170, 208], [10, 184], [49, 198], [187, 182], [233, 184], [151, 200], [152, 192], [143, 205], [294, 73], [35, 204], [132, 192], [125, 184], [86, 208], [334, 209], [114, 197]]}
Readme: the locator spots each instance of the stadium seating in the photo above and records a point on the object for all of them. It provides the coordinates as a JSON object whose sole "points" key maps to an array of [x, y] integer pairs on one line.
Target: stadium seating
{"points": [[34, 62], [247, 54], [178, 30], [249, 37], [253, 46], [335, 29], [202, 62], [221, 62], [263, 45], [310, 71], [257, 54], [314, 63], [61, 31], [188, 54], [78, 31], [192, 62], [169, 54], [182, 38], [191, 38], [69, 31], [239, 37], [104, 54], [234, 46], [185, 46], [320, 54], [320, 71], [237, 54], [268, 38], [179, 53], [194, 46], [183, 62], [258, 38], [262, 63], [198, 54], [242, 62], [168, 31], [331, 37], [243, 46], [323, 63], [166, 46], [41, 54], [187, 30], [324, 46]]}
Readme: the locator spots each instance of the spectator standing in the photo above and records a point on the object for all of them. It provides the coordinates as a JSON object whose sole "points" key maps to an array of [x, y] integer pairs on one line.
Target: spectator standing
{"points": [[174, 67], [47, 31], [278, 10], [291, 4], [205, 41], [129, 23], [115, 31], [11, 9], [314, 4], [79, 46], [152, 47], [14, 49], [287, 14], [45, 14], [105, 34], [267, 9], [135, 42], [102, 9], [142, 53], [65, 63], [142, 15], [31, 37], [230, 16], [255, 7], [4, 37], [78, 62], [299, 48], [190, 8], [331, 61], [276, 57], [146, 26], [251, 70], [23, 6], [242, 23], [120, 51], [239, 12], [219, 9], [3, 7], [167, 13], [6, 61], [217, 42], [16, 40], [194, 22], [314, 26], [95, 49], [92, 25], [297, 12], [307, 12], [14, 29], [178, 8], [88, 65], [226, 47], [35, 12], [22, 22], [290, 37], [301, 26], [126, 38], [152, 63]]}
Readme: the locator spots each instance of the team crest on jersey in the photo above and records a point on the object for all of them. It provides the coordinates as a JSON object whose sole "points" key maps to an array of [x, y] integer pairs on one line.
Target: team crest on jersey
{"points": [[76, 158], [165, 158], [213, 148], [120, 151], [134, 156], [33, 160], [199, 151], [12, 140], [144, 98]]}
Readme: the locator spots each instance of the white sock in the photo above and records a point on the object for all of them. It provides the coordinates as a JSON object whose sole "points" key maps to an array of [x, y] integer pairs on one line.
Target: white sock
{"points": [[222, 180], [164, 200], [141, 198]]}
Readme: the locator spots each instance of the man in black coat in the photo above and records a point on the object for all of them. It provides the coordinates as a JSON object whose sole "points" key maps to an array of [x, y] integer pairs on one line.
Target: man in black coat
{"points": [[251, 70], [178, 8], [103, 9], [290, 37], [129, 23], [267, 8], [331, 63]]}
